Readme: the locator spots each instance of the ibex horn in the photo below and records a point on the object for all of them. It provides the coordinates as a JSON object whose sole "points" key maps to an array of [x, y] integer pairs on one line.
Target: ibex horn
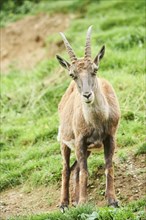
{"points": [[68, 48], [88, 43]]}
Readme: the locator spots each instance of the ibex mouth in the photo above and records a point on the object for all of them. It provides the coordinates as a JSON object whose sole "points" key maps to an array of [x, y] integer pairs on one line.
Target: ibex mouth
{"points": [[88, 102]]}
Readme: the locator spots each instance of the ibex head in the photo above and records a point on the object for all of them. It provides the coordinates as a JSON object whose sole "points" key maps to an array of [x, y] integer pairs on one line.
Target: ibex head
{"points": [[83, 71]]}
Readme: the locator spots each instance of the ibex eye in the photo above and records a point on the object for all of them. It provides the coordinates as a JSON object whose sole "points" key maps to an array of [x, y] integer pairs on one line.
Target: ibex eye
{"points": [[73, 76], [95, 70]]}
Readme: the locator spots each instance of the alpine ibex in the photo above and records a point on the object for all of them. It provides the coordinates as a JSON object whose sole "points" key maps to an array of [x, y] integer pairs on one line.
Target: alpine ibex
{"points": [[89, 115]]}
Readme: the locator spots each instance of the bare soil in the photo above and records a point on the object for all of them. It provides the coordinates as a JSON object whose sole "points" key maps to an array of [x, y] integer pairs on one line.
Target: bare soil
{"points": [[19, 201], [130, 185], [130, 181], [23, 43]]}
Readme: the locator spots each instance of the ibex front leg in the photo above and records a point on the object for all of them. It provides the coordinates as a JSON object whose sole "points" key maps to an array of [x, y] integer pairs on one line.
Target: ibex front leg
{"points": [[65, 177], [109, 147], [76, 170], [75, 192], [81, 154]]}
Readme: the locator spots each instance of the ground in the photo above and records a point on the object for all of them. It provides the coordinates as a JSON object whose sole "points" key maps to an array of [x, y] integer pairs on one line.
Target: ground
{"points": [[32, 86], [129, 181], [23, 43]]}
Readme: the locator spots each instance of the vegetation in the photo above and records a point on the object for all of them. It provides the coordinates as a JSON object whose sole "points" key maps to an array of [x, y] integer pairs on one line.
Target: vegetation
{"points": [[30, 153], [133, 211], [141, 149]]}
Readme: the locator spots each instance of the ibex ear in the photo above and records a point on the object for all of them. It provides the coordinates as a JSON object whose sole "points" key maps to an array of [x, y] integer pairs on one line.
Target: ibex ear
{"points": [[63, 62], [99, 55]]}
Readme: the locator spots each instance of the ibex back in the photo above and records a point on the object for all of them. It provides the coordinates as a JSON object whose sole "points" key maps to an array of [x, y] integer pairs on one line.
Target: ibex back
{"points": [[89, 115]]}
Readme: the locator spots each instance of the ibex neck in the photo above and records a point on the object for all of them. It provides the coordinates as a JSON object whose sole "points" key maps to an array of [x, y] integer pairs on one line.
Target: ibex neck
{"points": [[100, 99]]}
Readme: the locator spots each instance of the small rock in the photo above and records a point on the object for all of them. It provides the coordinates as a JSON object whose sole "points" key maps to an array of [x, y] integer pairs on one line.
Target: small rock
{"points": [[2, 203], [140, 184]]}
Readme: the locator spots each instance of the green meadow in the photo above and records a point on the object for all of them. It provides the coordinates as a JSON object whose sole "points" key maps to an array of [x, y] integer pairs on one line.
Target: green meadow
{"points": [[30, 153]]}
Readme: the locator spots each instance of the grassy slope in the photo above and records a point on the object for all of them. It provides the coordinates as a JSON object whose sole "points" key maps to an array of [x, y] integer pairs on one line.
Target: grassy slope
{"points": [[30, 153]]}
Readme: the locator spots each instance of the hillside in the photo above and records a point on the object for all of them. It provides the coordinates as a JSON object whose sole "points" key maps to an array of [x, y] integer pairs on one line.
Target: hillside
{"points": [[32, 84]]}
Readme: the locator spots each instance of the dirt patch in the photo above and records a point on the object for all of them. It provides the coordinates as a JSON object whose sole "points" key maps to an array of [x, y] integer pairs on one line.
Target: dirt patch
{"points": [[23, 43], [17, 201], [129, 181]]}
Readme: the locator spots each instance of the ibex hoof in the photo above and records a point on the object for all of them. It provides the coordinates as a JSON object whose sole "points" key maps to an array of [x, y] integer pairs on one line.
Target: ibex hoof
{"points": [[74, 204], [113, 203], [63, 208]]}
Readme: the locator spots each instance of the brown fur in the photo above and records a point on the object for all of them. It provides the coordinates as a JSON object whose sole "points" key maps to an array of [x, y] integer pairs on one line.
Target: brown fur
{"points": [[89, 115]]}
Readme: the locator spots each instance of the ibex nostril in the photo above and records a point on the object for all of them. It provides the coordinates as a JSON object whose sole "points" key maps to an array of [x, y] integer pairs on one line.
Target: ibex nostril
{"points": [[87, 95]]}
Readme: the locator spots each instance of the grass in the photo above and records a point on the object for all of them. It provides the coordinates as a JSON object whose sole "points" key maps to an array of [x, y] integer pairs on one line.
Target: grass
{"points": [[30, 153], [141, 149], [134, 211]]}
